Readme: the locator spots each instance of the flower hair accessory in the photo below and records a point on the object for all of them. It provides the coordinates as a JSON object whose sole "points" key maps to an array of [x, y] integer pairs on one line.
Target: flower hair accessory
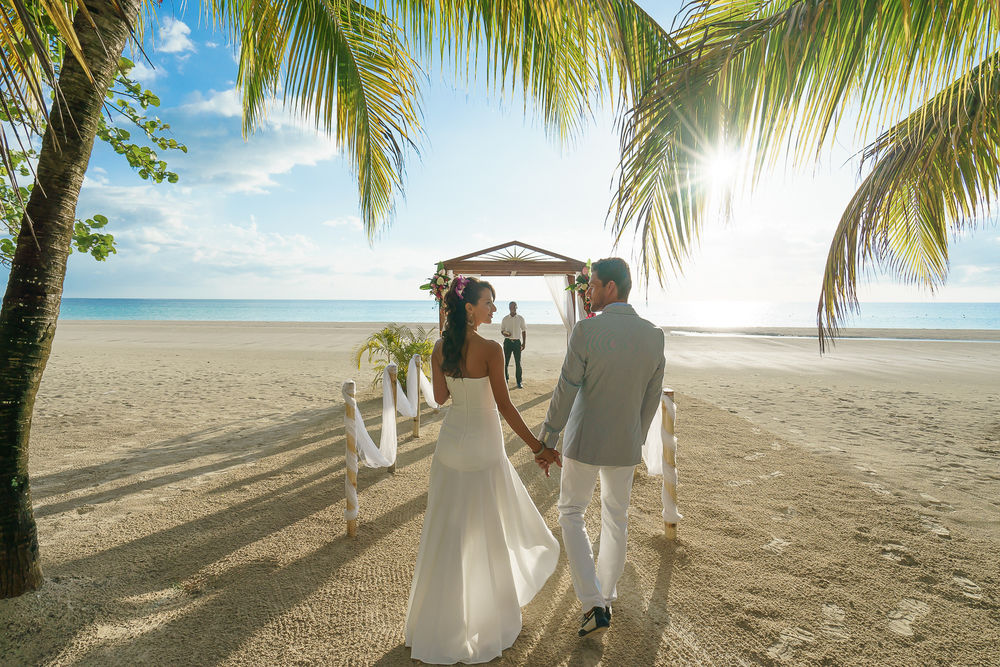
{"points": [[460, 283]]}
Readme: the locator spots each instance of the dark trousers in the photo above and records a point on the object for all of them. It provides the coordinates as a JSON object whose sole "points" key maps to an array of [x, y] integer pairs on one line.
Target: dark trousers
{"points": [[511, 346]]}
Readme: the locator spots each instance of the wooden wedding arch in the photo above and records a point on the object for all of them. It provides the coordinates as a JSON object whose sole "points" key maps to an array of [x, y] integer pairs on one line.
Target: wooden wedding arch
{"points": [[515, 258]]}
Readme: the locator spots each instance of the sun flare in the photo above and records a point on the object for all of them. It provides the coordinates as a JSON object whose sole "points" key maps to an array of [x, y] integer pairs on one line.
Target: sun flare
{"points": [[721, 168]]}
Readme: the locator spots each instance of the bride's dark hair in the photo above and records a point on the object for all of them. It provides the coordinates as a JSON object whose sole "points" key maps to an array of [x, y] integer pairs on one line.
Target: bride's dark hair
{"points": [[455, 322]]}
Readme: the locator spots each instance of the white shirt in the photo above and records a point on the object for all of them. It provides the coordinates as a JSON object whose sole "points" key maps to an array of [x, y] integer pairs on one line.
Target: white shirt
{"points": [[514, 324]]}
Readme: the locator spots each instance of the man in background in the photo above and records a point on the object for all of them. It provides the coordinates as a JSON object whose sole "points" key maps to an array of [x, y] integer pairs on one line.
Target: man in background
{"points": [[515, 338]]}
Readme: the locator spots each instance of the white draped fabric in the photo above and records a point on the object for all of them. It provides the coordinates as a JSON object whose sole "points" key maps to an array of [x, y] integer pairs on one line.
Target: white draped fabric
{"points": [[660, 454], [411, 405], [407, 404], [370, 455], [387, 445], [563, 299], [557, 288]]}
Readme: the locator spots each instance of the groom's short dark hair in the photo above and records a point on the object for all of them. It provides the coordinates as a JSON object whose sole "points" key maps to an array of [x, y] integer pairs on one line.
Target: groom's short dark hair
{"points": [[614, 269]]}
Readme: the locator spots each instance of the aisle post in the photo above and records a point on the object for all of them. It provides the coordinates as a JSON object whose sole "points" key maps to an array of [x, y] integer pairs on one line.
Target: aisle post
{"points": [[420, 369], [392, 379], [669, 464], [351, 467]]}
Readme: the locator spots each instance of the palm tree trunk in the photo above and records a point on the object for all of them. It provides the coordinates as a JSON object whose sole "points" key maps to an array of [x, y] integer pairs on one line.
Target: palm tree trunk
{"points": [[34, 288]]}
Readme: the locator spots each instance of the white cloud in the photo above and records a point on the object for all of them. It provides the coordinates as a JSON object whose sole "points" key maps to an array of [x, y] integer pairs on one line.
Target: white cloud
{"points": [[351, 222], [221, 158], [145, 74], [250, 166], [224, 103], [174, 37]]}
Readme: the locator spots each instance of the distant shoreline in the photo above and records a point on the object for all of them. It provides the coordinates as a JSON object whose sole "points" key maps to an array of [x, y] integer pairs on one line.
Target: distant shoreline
{"points": [[929, 335], [886, 334], [761, 318]]}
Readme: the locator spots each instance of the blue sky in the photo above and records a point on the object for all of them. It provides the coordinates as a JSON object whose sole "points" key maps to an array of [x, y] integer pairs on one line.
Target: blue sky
{"points": [[276, 216]]}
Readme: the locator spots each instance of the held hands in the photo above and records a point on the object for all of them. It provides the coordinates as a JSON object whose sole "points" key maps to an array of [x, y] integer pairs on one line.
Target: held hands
{"points": [[545, 457]]}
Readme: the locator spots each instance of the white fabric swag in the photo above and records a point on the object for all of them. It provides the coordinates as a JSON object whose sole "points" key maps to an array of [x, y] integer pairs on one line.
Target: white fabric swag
{"points": [[660, 454], [407, 404], [370, 455]]}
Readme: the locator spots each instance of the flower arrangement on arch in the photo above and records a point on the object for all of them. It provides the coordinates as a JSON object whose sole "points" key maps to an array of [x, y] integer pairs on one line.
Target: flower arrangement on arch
{"points": [[437, 284], [581, 285]]}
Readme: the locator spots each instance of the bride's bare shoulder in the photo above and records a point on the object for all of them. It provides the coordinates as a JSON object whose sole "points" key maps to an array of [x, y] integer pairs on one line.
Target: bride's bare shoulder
{"points": [[485, 345]]}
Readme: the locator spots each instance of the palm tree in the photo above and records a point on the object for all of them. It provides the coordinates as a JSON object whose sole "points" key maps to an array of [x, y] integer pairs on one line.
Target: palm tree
{"points": [[395, 344], [34, 287], [350, 65], [775, 78]]}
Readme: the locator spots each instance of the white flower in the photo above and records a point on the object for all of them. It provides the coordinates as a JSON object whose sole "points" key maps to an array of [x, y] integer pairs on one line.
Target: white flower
{"points": [[440, 281]]}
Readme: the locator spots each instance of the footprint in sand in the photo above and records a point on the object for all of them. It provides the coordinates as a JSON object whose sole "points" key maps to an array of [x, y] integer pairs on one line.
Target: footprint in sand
{"points": [[908, 612], [786, 514], [833, 622], [970, 589], [866, 470], [776, 546], [877, 488], [933, 527], [927, 500], [771, 475], [788, 641], [898, 554], [739, 482], [754, 456], [776, 446]]}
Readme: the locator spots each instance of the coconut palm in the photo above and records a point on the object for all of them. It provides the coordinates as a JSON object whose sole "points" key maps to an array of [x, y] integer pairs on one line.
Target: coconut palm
{"points": [[775, 78], [395, 344], [352, 67]]}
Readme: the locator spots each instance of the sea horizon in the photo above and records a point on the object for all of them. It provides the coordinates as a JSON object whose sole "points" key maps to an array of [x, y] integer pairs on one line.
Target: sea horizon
{"points": [[872, 315]]}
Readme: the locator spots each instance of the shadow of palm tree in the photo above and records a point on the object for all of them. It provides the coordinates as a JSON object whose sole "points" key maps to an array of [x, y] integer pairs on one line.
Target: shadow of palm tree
{"points": [[302, 478], [260, 589]]}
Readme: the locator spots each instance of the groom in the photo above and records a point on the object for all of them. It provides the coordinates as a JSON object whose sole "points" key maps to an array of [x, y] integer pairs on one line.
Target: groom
{"points": [[606, 398]]}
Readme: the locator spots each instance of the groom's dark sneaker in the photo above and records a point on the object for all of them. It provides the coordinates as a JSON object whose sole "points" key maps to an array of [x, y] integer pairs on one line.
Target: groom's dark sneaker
{"points": [[595, 622]]}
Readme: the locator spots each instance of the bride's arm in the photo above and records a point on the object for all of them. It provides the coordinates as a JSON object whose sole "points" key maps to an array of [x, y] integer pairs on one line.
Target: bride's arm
{"points": [[494, 363], [441, 392]]}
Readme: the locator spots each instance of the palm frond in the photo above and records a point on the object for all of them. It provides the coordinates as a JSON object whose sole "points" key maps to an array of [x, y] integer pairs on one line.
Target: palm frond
{"points": [[27, 73], [934, 173], [347, 64], [563, 55], [341, 63], [771, 79]]}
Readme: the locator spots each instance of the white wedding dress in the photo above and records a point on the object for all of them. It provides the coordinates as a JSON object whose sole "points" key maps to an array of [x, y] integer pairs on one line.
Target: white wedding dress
{"points": [[484, 550]]}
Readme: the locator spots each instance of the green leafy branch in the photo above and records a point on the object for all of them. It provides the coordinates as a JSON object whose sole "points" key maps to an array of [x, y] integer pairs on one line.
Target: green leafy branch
{"points": [[128, 99]]}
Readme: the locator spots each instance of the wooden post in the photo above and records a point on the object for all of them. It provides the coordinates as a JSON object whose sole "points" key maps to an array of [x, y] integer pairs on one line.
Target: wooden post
{"points": [[392, 379], [669, 463], [571, 301], [416, 419], [351, 467]]}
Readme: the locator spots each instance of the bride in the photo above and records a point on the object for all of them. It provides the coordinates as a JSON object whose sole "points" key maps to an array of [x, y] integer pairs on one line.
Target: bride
{"points": [[484, 550]]}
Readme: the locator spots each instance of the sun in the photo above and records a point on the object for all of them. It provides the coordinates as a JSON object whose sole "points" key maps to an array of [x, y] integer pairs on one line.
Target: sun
{"points": [[721, 168]]}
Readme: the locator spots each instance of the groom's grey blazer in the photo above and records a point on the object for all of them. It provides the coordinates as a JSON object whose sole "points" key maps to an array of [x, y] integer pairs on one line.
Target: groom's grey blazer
{"points": [[608, 389]]}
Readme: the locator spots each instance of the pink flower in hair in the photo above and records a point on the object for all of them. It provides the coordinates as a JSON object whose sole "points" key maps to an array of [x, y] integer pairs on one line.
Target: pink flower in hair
{"points": [[460, 283]]}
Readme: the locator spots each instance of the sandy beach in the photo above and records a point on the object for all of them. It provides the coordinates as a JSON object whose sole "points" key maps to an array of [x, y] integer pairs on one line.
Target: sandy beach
{"points": [[188, 484]]}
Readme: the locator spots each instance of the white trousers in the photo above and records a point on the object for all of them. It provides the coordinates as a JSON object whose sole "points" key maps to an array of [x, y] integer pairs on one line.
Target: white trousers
{"points": [[595, 585]]}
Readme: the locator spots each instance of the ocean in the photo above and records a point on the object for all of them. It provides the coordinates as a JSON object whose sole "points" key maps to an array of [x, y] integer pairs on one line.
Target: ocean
{"points": [[932, 315]]}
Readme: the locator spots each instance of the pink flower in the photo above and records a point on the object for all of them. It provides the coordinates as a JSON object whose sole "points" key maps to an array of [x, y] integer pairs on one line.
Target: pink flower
{"points": [[460, 283]]}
